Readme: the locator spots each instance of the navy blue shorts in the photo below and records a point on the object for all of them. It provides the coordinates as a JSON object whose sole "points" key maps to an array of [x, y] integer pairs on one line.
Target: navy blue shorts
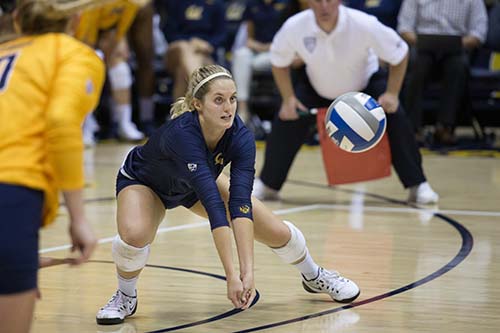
{"points": [[169, 201], [20, 219]]}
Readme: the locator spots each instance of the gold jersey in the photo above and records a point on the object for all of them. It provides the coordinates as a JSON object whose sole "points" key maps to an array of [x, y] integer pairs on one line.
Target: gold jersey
{"points": [[48, 84], [118, 15]]}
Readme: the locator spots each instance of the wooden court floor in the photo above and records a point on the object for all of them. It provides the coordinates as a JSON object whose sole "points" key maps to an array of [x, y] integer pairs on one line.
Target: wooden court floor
{"points": [[419, 270]]}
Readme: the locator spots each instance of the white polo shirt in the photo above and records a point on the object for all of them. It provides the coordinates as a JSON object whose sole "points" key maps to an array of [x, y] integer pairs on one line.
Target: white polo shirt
{"points": [[343, 60]]}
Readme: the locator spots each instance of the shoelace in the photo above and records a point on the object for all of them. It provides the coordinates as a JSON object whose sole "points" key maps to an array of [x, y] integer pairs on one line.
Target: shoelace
{"points": [[114, 301], [330, 279]]}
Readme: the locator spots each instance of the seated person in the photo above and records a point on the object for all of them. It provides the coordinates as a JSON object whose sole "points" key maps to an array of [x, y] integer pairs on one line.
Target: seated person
{"points": [[466, 19], [194, 29]]}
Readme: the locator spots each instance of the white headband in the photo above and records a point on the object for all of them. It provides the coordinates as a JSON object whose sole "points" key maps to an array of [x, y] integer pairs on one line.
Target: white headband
{"points": [[208, 78]]}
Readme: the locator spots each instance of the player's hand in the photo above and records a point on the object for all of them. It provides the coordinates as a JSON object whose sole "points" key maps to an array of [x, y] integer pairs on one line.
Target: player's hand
{"points": [[289, 107], [234, 290], [83, 239], [248, 294], [389, 102]]}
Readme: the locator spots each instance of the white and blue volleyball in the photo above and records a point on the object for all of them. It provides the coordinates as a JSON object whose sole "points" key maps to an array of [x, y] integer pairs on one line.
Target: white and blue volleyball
{"points": [[355, 122]]}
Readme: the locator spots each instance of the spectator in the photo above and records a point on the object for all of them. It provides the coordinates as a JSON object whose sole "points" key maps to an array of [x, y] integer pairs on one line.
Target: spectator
{"points": [[262, 19], [194, 29], [48, 83], [385, 10], [467, 19], [340, 43]]}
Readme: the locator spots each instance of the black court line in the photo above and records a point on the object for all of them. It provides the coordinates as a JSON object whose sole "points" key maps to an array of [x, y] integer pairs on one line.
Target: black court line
{"points": [[199, 322], [463, 252]]}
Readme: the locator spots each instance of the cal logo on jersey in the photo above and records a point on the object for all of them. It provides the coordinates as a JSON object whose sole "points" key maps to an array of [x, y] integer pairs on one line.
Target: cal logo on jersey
{"points": [[244, 209], [192, 167], [219, 159]]}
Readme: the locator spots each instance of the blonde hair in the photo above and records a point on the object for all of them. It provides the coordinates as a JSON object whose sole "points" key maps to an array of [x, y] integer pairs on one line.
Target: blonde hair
{"points": [[198, 86]]}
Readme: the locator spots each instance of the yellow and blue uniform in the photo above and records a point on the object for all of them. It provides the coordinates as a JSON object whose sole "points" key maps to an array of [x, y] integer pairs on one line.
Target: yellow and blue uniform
{"points": [[47, 86], [118, 15], [48, 83], [177, 165]]}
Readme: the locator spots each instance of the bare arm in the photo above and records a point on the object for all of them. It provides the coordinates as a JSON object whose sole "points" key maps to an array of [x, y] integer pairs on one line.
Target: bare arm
{"points": [[222, 240], [243, 234], [389, 100], [289, 104], [82, 237]]}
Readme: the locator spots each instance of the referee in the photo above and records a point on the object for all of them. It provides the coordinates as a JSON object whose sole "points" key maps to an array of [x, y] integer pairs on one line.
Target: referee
{"points": [[340, 48]]}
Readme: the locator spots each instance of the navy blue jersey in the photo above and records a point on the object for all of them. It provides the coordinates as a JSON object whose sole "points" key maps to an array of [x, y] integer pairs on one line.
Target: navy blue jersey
{"points": [[176, 163], [385, 10], [267, 17], [204, 19]]}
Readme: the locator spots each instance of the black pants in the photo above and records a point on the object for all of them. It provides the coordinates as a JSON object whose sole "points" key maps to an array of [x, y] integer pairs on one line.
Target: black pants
{"points": [[286, 137], [452, 70]]}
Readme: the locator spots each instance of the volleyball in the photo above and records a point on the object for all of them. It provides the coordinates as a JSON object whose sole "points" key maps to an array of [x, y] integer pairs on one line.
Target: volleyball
{"points": [[355, 122]]}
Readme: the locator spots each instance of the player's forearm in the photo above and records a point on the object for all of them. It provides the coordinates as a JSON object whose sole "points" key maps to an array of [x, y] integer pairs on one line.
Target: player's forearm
{"points": [[222, 240], [283, 81], [75, 205], [243, 234], [396, 76]]}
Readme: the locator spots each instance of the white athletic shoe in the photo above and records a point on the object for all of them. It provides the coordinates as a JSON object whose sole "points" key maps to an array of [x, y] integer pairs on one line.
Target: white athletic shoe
{"points": [[263, 192], [128, 131], [339, 288], [423, 194], [118, 307]]}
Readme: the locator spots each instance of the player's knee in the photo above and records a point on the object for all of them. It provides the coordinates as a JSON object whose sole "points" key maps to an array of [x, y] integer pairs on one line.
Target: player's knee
{"points": [[295, 249], [129, 258], [120, 76]]}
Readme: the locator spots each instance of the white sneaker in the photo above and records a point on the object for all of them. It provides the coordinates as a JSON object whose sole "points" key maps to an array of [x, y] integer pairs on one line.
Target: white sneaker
{"points": [[264, 192], [128, 131], [422, 194], [118, 307], [339, 288]]}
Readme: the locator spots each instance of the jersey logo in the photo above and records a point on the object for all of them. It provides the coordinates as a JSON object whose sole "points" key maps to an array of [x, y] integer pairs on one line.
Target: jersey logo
{"points": [[219, 159], [192, 167], [194, 13], [310, 43], [244, 209]]}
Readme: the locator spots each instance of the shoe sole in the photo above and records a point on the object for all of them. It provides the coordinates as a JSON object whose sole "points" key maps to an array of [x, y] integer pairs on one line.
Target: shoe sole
{"points": [[312, 291], [114, 321]]}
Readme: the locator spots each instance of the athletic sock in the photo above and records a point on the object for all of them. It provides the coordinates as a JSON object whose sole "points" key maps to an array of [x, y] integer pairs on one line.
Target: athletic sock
{"points": [[127, 286], [308, 267]]}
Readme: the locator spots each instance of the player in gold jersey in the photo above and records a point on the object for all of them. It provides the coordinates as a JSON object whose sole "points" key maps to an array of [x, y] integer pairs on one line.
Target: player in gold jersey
{"points": [[105, 29], [49, 81]]}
